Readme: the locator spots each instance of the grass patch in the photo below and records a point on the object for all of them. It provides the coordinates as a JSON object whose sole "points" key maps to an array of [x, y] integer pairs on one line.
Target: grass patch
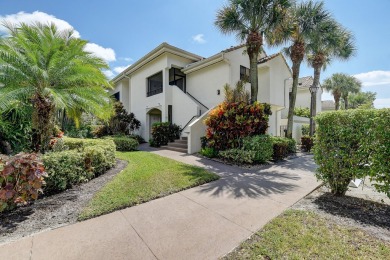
{"points": [[146, 177], [305, 235]]}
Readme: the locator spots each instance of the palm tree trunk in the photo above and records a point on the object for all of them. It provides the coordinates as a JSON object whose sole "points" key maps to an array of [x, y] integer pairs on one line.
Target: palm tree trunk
{"points": [[346, 102], [254, 76], [316, 84], [290, 119], [337, 102], [42, 122]]}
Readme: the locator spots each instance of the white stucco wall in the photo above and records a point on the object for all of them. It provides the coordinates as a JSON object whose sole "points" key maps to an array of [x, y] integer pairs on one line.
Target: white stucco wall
{"points": [[183, 108]]}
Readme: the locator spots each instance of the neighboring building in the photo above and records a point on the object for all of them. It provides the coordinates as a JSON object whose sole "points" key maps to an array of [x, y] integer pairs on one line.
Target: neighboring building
{"points": [[304, 101], [328, 105], [172, 85]]}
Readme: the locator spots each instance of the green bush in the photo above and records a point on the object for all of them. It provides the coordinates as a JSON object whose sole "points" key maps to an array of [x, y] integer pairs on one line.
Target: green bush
{"points": [[124, 143], [261, 145], [302, 111], [238, 156], [22, 177], [164, 132], [209, 152], [86, 159], [307, 143], [305, 129], [280, 148], [353, 144]]}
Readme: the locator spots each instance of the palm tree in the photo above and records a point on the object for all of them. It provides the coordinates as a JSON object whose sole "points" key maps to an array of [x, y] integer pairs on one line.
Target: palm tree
{"points": [[331, 42], [303, 20], [249, 20], [363, 100], [49, 70], [341, 85]]}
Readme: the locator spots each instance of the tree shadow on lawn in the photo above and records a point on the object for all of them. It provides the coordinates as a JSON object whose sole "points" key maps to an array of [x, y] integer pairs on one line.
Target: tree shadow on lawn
{"points": [[366, 212]]}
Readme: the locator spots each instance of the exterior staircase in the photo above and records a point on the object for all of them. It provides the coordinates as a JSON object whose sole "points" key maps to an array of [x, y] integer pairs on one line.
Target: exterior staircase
{"points": [[179, 145]]}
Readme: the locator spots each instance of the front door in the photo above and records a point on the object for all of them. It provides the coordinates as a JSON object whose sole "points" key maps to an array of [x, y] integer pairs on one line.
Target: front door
{"points": [[153, 118]]}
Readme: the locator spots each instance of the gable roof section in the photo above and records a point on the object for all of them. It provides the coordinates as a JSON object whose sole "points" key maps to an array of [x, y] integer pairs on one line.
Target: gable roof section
{"points": [[162, 48], [273, 56]]}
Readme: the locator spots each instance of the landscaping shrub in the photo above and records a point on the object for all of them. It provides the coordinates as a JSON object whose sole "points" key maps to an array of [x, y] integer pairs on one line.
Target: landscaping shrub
{"points": [[261, 145], [302, 111], [124, 143], [87, 158], [165, 132], [307, 143], [353, 144], [305, 129], [238, 156], [139, 138], [209, 152], [230, 122], [280, 148], [22, 177]]}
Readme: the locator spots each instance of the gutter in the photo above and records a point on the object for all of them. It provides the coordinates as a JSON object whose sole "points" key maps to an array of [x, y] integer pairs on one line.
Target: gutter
{"points": [[205, 63]]}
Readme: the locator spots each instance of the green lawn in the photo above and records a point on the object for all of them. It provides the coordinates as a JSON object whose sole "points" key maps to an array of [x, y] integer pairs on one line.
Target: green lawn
{"points": [[305, 235], [146, 177]]}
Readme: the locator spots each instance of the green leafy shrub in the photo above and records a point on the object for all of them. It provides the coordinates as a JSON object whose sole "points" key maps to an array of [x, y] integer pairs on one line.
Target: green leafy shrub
{"points": [[305, 129], [139, 138], [280, 148], [124, 143], [353, 144], [302, 111], [22, 177], [238, 156], [230, 122], [261, 145], [164, 132], [209, 152], [307, 143], [86, 159]]}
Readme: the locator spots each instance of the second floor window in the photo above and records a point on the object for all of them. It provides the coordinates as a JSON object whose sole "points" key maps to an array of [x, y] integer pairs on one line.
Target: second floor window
{"points": [[155, 84], [244, 74]]}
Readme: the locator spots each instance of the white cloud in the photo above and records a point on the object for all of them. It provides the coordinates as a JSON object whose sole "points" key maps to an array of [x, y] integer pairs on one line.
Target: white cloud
{"points": [[382, 102], [374, 78], [109, 74], [107, 54], [120, 69], [127, 59], [199, 38]]}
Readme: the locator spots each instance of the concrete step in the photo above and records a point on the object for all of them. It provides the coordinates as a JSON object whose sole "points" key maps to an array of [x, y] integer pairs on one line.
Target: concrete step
{"points": [[177, 144], [176, 149], [184, 138]]}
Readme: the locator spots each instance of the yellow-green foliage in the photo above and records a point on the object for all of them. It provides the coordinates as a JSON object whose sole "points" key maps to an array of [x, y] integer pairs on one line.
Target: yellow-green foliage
{"points": [[353, 144]]}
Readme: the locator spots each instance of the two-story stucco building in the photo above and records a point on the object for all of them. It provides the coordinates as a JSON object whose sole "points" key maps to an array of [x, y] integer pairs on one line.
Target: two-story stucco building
{"points": [[173, 85]]}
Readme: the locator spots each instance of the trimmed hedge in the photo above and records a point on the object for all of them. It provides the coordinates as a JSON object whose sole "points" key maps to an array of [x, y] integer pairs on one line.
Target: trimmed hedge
{"points": [[86, 159], [353, 144], [238, 156], [124, 143], [164, 132], [261, 145], [282, 147], [307, 143]]}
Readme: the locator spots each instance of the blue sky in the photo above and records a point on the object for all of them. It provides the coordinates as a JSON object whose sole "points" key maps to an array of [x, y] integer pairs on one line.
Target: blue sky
{"points": [[122, 31]]}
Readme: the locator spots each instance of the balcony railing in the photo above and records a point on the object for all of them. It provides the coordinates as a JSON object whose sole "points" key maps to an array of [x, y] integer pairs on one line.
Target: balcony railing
{"points": [[154, 92]]}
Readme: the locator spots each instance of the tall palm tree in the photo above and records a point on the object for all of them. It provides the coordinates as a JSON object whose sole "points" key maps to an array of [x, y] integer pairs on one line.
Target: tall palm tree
{"points": [[341, 85], [303, 20], [49, 70], [331, 42], [249, 20]]}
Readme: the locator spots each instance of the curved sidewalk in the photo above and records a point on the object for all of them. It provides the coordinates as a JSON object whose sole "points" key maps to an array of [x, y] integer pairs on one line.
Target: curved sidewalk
{"points": [[204, 222]]}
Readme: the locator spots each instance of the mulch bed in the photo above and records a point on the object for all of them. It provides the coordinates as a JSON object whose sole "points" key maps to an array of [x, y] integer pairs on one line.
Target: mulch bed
{"points": [[360, 208], [53, 211]]}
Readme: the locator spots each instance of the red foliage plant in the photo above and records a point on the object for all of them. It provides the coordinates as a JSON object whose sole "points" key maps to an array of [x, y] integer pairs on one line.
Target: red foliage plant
{"points": [[21, 179], [228, 123]]}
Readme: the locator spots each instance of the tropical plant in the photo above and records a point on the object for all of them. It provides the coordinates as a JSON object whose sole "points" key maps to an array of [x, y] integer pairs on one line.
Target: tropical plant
{"points": [[341, 85], [331, 42], [49, 69], [249, 20], [364, 100], [238, 94], [303, 20]]}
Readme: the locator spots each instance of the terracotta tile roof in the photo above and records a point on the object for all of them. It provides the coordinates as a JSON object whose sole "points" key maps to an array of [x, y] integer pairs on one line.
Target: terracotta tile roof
{"points": [[305, 82]]}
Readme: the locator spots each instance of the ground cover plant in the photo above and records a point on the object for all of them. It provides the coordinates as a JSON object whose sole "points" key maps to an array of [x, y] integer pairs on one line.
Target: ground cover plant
{"points": [[300, 234], [147, 176]]}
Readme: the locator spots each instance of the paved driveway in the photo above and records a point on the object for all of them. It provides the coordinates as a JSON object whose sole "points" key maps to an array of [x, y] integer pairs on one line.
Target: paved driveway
{"points": [[204, 222]]}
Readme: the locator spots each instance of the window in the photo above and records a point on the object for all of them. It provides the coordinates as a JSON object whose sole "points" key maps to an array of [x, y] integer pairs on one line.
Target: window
{"points": [[155, 84], [117, 96], [177, 78], [244, 74]]}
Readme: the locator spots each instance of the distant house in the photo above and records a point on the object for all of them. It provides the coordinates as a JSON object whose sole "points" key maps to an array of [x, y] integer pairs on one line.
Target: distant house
{"points": [[173, 85], [328, 105]]}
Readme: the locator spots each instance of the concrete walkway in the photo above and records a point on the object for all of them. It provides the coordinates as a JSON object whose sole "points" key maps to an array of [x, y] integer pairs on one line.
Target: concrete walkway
{"points": [[204, 222]]}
